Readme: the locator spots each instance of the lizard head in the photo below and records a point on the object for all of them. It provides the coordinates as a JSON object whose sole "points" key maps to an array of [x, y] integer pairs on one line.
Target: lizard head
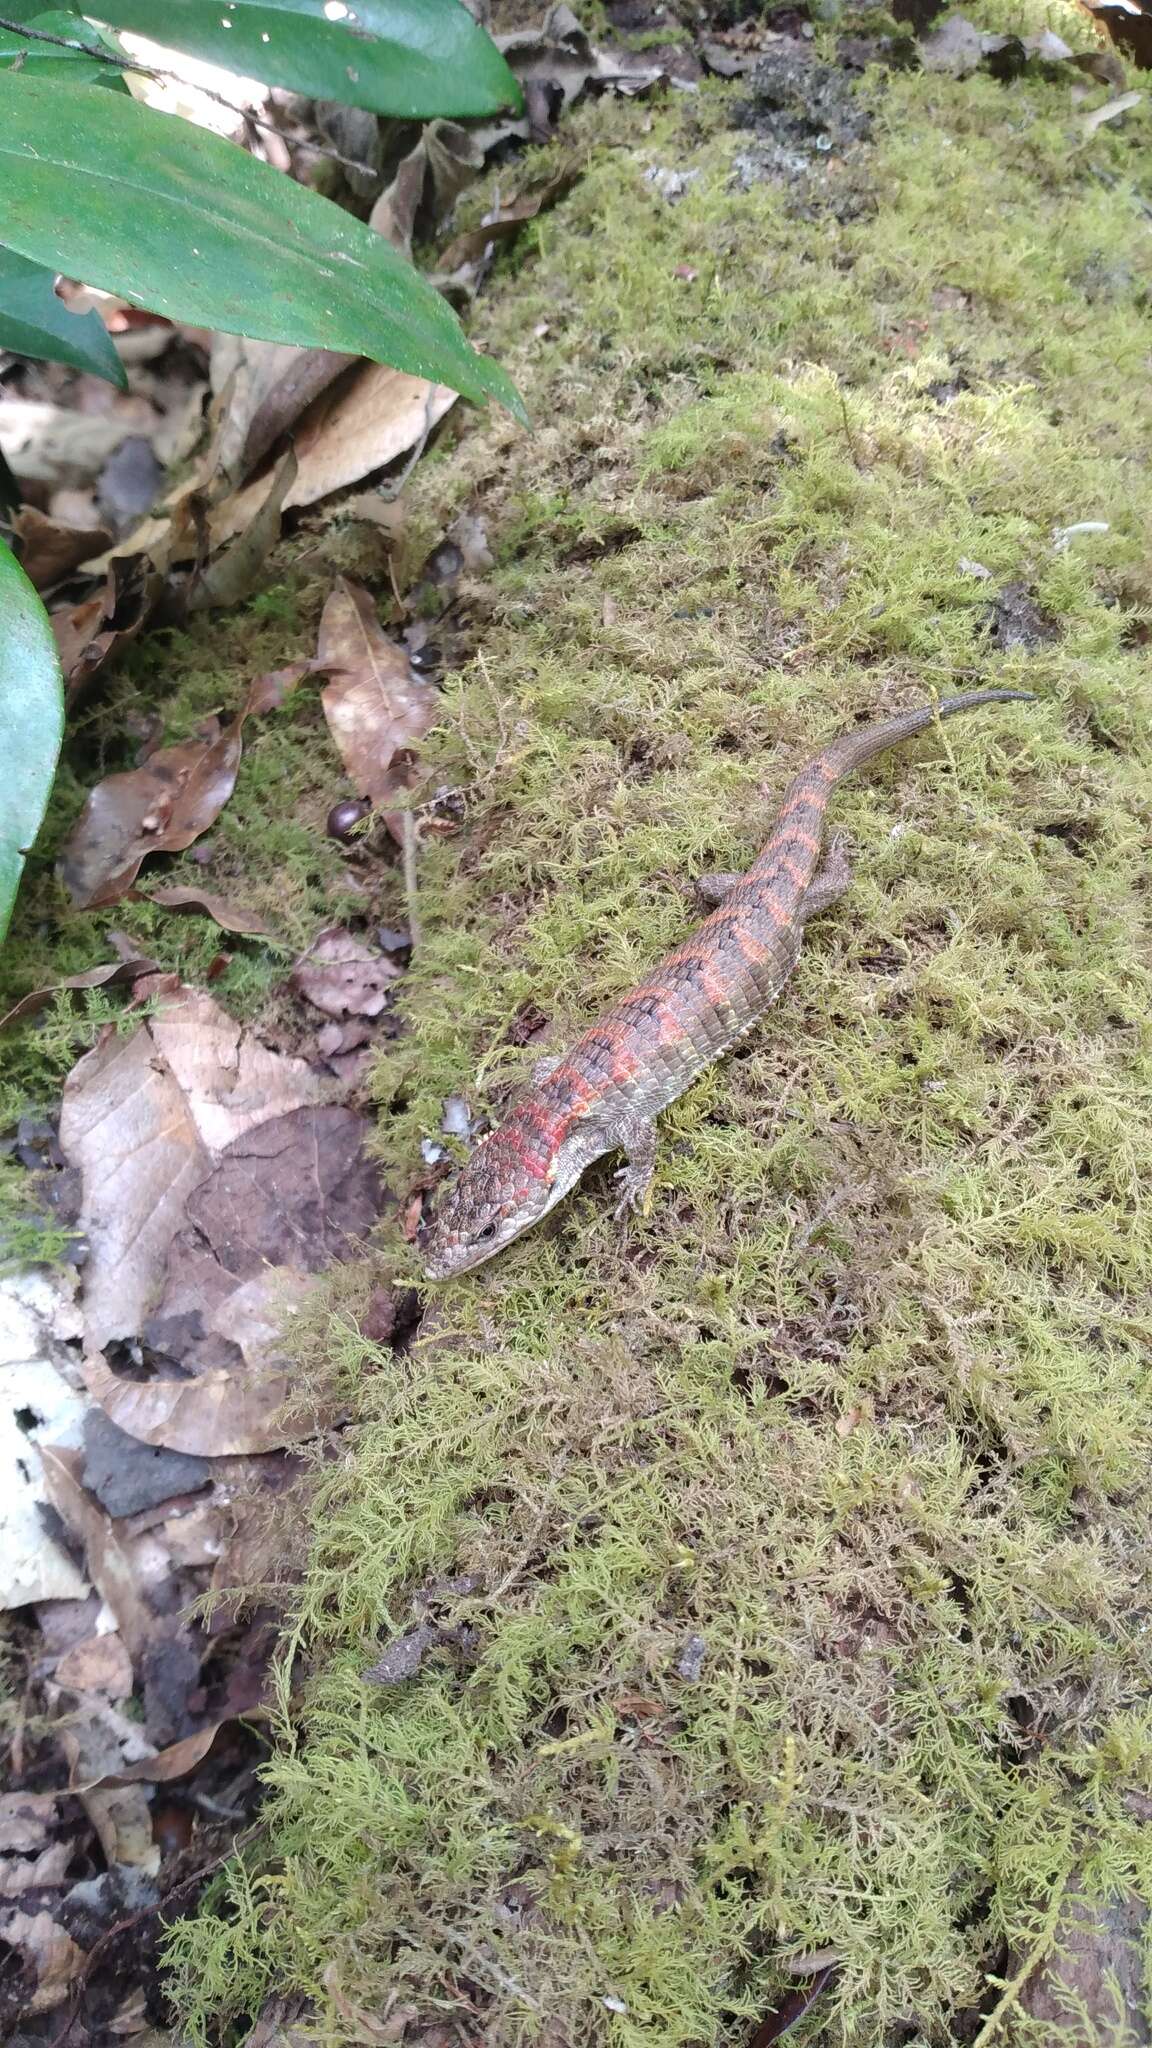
{"points": [[494, 1197]]}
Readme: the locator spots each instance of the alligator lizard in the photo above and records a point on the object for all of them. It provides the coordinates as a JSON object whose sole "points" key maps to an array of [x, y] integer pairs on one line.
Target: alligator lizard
{"points": [[604, 1095]]}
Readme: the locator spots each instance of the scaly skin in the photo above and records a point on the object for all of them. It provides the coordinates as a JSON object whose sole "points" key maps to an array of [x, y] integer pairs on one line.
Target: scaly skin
{"points": [[604, 1095]]}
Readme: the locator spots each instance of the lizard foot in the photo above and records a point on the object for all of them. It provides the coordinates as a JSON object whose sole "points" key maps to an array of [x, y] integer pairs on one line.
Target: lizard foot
{"points": [[635, 1179]]}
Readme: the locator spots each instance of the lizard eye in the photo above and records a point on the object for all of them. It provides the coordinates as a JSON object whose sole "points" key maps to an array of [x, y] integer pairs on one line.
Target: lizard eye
{"points": [[488, 1231]]}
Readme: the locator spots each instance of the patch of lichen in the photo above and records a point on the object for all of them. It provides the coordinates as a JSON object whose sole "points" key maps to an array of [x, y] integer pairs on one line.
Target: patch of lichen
{"points": [[862, 1404]]}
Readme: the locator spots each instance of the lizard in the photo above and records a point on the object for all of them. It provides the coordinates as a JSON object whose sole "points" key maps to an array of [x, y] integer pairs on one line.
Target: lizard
{"points": [[645, 1050]]}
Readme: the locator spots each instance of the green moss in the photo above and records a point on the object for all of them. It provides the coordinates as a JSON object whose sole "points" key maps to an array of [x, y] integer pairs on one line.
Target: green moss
{"points": [[864, 1401], [268, 851]]}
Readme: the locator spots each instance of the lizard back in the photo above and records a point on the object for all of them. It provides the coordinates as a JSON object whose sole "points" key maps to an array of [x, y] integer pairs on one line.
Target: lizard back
{"points": [[643, 1052]]}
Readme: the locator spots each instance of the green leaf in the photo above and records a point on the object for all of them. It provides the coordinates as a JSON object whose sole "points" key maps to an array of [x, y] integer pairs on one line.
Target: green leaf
{"points": [[31, 720], [410, 58], [176, 219], [47, 60], [34, 322]]}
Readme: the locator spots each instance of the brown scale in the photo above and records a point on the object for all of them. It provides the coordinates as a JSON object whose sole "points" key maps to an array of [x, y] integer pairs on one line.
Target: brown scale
{"points": [[647, 1048]]}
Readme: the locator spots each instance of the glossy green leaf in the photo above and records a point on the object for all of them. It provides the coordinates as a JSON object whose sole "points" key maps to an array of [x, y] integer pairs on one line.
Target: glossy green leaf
{"points": [[176, 219], [31, 720], [37, 59], [34, 322], [410, 58]]}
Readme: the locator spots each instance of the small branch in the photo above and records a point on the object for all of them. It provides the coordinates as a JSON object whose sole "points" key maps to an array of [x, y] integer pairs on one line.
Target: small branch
{"points": [[408, 847]]}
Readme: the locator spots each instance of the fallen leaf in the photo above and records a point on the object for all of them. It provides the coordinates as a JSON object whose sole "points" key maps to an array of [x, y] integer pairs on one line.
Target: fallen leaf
{"points": [[505, 225], [49, 549], [366, 420], [35, 1400], [97, 1741], [271, 384], [126, 1477], [99, 1664], [792, 2008], [175, 1761], [427, 183], [108, 1555], [376, 707], [48, 1952], [89, 635], [128, 484], [25, 1819], [231, 577], [231, 917], [160, 807], [344, 978], [111, 972], [145, 1119], [218, 1413]]}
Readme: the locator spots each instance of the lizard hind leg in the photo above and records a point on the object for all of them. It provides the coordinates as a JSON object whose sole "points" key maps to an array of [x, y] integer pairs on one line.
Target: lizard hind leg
{"points": [[637, 1139], [828, 884]]}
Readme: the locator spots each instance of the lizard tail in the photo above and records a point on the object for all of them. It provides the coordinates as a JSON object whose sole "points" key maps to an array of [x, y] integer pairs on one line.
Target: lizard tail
{"points": [[852, 749]]}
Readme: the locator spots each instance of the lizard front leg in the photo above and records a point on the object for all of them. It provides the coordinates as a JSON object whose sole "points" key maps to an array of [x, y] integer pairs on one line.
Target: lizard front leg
{"points": [[637, 1140]]}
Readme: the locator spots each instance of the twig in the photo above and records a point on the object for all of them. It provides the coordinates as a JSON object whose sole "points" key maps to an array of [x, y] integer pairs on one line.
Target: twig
{"points": [[408, 847], [41, 35]]}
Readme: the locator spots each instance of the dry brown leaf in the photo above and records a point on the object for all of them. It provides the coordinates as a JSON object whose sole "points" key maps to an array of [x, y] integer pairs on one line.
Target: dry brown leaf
{"points": [[50, 548], [343, 977], [174, 1762], [144, 1119], [231, 917], [111, 1565], [99, 1664], [90, 634], [97, 1741], [51, 1953], [160, 807], [376, 707], [235, 575], [111, 972], [427, 184], [221, 1414], [271, 384], [367, 419], [507, 223]]}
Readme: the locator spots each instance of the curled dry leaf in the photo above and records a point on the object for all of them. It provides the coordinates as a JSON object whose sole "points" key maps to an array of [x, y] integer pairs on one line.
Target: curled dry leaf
{"points": [[270, 384], [231, 917], [367, 419], [49, 549], [112, 972], [376, 707], [505, 225], [235, 575], [90, 634], [342, 976], [160, 807], [427, 184], [111, 1565]]}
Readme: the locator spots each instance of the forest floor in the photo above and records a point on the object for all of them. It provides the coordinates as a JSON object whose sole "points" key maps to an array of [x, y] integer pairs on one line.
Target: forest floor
{"points": [[781, 1556]]}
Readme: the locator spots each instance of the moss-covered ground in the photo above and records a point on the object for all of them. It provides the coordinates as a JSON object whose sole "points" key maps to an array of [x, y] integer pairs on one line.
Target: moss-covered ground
{"points": [[803, 1526]]}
